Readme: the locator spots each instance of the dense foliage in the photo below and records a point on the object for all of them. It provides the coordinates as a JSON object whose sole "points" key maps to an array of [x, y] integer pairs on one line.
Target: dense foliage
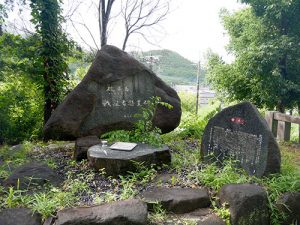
{"points": [[47, 20], [20, 94], [264, 38]]}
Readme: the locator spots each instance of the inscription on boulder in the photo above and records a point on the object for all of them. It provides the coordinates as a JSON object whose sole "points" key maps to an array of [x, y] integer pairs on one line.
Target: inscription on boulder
{"points": [[238, 132], [119, 100]]}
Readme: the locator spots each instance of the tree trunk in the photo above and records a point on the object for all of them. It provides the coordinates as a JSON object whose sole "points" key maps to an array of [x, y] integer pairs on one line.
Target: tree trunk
{"points": [[1, 30], [103, 22], [50, 94], [283, 74], [280, 107], [125, 42], [104, 33]]}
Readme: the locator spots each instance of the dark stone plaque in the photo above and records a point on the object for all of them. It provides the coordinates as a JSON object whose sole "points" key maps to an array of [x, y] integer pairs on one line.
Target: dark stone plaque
{"points": [[239, 132]]}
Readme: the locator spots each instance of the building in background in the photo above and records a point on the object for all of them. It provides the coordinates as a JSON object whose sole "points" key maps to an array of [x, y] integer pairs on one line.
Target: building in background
{"points": [[205, 93]]}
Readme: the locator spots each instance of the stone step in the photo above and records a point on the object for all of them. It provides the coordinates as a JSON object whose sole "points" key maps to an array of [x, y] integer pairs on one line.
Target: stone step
{"points": [[177, 200]]}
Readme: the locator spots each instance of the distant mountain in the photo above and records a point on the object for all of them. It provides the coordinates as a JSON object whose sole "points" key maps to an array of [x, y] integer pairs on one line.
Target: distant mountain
{"points": [[171, 66]]}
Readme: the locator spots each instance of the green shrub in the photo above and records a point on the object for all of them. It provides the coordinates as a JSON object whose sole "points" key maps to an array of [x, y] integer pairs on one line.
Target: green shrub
{"points": [[143, 131], [193, 125], [20, 110]]}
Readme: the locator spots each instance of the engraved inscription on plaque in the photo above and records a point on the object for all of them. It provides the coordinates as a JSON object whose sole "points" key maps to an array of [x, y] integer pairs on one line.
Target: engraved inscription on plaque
{"points": [[119, 100], [244, 147]]}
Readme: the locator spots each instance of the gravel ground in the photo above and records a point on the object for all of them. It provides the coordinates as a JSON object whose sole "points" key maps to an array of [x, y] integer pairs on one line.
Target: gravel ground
{"points": [[59, 156]]}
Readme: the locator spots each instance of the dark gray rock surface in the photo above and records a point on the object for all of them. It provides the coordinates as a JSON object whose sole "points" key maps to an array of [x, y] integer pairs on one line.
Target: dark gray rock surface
{"points": [[19, 216], [211, 219], [128, 212], [241, 133], [248, 204], [31, 175], [82, 145], [289, 204], [120, 162], [177, 200], [113, 90]]}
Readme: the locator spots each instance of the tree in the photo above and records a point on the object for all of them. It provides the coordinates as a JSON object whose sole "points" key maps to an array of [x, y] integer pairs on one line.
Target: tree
{"points": [[141, 14], [138, 17], [104, 11], [264, 39], [47, 19], [2, 15]]}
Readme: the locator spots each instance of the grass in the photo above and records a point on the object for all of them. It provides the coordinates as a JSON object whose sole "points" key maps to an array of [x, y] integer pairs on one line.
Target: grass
{"points": [[186, 161], [184, 143]]}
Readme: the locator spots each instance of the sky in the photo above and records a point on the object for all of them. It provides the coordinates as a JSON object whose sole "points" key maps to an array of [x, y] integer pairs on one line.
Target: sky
{"points": [[191, 28]]}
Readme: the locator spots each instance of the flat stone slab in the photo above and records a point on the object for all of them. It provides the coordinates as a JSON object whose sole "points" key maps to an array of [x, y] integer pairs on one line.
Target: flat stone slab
{"points": [[211, 219], [240, 133], [177, 200], [33, 174], [116, 162], [128, 212], [19, 216]]}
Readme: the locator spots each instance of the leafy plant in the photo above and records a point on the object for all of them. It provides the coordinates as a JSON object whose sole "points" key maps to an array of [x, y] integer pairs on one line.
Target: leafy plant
{"points": [[143, 131], [223, 211], [215, 177], [159, 214], [183, 157], [14, 198]]}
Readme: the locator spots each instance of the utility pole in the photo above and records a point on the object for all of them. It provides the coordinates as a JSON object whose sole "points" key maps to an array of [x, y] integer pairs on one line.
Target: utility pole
{"points": [[198, 81]]}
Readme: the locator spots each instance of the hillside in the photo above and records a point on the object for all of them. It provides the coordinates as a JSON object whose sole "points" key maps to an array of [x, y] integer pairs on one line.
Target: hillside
{"points": [[172, 67]]}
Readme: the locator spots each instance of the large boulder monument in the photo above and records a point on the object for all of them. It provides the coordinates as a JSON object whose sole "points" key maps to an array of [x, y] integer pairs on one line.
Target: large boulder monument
{"points": [[239, 132], [111, 93]]}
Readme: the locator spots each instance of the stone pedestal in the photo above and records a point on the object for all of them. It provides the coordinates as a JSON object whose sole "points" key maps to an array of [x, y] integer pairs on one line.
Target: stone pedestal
{"points": [[118, 162]]}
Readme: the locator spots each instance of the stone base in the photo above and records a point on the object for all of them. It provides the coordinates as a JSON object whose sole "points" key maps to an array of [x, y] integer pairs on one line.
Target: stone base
{"points": [[118, 162]]}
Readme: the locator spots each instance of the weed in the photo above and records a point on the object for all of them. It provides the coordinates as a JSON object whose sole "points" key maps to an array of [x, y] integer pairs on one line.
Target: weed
{"points": [[223, 211], [159, 213], [127, 190], [215, 177], [183, 157], [110, 197], [14, 198], [45, 204], [143, 176]]}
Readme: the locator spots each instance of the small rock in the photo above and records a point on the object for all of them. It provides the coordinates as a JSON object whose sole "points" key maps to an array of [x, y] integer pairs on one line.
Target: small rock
{"points": [[68, 145], [82, 145], [19, 216], [248, 204], [289, 204], [128, 212], [16, 148], [33, 173], [177, 200], [49, 221], [211, 219]]}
